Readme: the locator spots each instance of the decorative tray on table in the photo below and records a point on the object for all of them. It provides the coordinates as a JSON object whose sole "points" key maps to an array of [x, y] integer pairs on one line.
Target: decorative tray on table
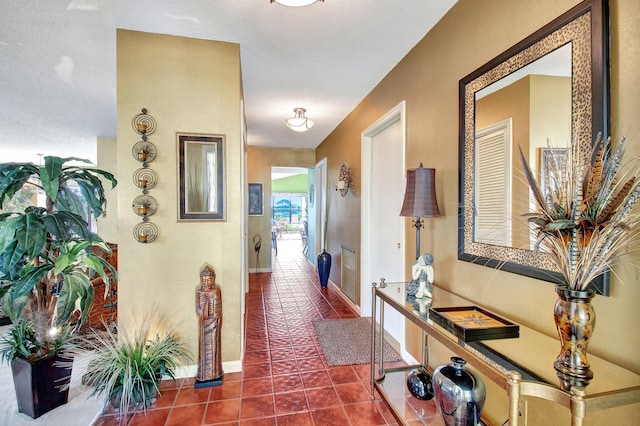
{"points": [[471, 323]]}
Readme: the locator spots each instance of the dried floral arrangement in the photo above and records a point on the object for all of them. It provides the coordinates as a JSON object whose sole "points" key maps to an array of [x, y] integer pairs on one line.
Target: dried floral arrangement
{"points": [[585, 218]]}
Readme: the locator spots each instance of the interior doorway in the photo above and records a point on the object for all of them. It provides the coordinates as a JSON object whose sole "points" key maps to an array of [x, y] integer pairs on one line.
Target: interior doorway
{"points": [[289, 208], [383, 168]]}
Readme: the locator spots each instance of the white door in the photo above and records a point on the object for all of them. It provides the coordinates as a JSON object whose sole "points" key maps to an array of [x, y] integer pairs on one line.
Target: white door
{"points": [[383, 239]]}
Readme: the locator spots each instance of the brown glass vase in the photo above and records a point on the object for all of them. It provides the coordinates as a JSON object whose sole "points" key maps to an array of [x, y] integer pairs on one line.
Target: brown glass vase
{"points": [[575, 321]]}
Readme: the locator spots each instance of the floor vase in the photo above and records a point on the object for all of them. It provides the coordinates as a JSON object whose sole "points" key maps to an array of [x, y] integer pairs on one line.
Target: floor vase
{"points": [[575, 321], [324, 267]]}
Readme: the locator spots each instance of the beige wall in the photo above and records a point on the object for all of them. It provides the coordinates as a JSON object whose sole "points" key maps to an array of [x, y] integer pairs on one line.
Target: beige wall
{"points": [[187, 85], [427, 78], [343, 226], [259, 163]]}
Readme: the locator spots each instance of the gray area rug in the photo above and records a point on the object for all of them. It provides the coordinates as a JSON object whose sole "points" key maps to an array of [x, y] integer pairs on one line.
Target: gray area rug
{"points": [[81, 410], [348, 341]]}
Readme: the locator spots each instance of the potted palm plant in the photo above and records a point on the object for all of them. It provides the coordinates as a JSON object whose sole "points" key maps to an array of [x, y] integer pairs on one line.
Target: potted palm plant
{"points": [[585, 222], [45, 267]]}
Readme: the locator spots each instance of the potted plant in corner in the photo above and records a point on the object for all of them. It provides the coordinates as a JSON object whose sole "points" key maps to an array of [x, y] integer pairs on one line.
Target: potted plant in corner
{"points": [[127, 366], [585, 221], [45, 265]]}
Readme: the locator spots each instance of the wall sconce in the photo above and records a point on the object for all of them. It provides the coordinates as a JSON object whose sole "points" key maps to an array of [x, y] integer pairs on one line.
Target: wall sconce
{"points": [[420, 198], [344, 180]]}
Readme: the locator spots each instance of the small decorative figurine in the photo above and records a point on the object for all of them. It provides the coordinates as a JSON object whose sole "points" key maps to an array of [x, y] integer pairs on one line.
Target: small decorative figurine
{"points": [[422, 271], [209, 311]]}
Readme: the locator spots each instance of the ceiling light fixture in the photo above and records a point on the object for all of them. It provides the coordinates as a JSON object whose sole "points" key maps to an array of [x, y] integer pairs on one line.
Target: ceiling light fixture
{"points": [[299, 123], [296, 3]]}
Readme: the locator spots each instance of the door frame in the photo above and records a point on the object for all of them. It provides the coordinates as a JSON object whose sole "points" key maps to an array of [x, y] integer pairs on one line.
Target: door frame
{"points": [[367, 273], [321, 202]]}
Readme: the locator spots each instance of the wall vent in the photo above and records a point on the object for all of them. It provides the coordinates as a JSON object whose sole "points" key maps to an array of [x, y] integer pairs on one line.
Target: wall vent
{"points": [[348, 275]]}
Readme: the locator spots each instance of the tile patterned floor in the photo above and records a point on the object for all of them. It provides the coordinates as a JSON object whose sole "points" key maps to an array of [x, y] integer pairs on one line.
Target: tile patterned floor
{"points": [[285, 378]]}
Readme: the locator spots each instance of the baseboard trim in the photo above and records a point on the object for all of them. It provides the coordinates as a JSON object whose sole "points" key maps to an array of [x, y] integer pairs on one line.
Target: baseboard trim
{"points": [[259, 270], [187, 371]]}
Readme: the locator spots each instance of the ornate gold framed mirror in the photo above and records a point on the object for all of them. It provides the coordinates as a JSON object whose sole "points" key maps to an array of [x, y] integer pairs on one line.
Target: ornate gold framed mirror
{"points": [[548, 90]]}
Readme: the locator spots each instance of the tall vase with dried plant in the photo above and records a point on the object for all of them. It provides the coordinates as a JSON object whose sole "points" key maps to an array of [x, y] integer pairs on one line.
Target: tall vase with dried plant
{"points": [[585, 221]]}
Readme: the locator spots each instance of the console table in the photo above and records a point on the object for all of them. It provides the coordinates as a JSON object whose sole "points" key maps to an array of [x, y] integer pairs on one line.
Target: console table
{"points": [[522, 366]]}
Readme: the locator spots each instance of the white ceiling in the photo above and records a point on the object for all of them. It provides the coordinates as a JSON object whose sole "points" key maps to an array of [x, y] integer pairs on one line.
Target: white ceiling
{"points": [[58, 62]]}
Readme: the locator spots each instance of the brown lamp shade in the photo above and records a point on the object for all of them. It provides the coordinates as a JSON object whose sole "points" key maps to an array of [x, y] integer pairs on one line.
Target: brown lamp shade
{"points": [[420, 194]]}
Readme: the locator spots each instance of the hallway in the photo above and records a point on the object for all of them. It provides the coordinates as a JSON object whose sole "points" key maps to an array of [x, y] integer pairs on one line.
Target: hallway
{"points": [[285, 378]]}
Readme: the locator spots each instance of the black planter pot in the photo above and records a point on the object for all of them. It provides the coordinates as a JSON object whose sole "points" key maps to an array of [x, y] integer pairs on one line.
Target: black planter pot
{"points": [[40, 385], [324, 267]]}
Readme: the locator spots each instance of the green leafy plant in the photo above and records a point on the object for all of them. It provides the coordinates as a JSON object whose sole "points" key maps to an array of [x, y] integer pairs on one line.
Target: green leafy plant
{"points": [[585, 217], [128, 364], [21, 342], [45, 252]]}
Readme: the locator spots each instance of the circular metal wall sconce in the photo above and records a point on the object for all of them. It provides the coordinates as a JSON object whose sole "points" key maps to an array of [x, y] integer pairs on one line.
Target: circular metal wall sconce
{"points": [[145, 179], [145, 232]]}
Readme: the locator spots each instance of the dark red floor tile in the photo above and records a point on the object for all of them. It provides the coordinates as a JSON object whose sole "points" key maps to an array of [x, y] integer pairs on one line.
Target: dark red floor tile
{"points": [[265, 421], [352, 392], [166, 399], [343, 374], [228, 390], [150, 418], [287, 366], [222, 411], [322, 397], [305, 351], [251, 357], [310, 364], [291, 402], [287, 383], [190, 395], [280, 353], [315, 379], [295, 419], [334, 416], [254, 371], [254, 387], [188, 415], [257, 406], [232, 377], [365, 414]]}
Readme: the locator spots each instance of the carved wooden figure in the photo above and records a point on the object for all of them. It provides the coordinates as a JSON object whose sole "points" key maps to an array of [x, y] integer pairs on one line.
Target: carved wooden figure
{"points": [[209, 311]]}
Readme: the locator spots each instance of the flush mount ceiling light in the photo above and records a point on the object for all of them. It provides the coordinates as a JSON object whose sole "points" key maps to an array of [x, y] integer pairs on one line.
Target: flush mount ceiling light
{"points": [[299, 123], [296, 3]]}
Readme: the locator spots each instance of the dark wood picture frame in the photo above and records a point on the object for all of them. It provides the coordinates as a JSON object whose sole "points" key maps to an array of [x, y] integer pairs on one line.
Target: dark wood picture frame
{"points": [[201, 177]]}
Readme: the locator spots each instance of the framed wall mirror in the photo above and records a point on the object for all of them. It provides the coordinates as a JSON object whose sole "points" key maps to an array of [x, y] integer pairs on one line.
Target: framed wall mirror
{"points": [[201, 189], [547, 91]]}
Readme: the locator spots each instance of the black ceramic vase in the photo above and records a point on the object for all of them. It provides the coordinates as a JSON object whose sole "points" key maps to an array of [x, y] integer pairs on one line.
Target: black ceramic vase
{"points": [[324, 267], [459, 392], [420, 384]]}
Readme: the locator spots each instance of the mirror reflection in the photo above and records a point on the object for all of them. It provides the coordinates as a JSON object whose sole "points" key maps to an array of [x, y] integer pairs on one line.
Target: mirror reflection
{"points": [[201, 178], [531, 109]]}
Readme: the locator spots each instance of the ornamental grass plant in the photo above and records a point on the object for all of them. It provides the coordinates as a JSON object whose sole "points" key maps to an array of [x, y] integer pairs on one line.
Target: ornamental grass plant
{"points": [[585, 216], [129, 363]]}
